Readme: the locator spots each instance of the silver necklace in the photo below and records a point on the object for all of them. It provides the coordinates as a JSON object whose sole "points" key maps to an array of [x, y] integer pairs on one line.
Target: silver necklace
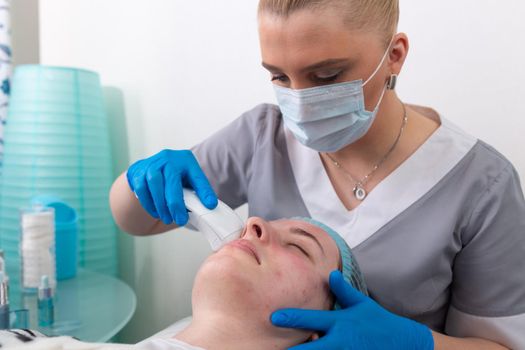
{"points": [[359, 190]]}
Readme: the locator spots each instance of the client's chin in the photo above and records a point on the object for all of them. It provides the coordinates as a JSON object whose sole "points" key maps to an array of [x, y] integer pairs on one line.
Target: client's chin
{"points": [[230, 278]]}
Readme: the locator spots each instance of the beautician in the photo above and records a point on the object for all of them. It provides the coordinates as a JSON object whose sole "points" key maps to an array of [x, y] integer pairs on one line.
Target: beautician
{"points": [[436, 218]]}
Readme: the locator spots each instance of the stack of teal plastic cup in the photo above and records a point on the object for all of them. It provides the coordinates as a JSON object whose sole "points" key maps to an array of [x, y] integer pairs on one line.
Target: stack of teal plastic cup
{"points": [[57, 144]]}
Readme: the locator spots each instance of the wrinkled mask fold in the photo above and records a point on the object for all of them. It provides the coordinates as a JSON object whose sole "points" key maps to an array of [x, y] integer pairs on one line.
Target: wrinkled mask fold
{"points": [[322, 112]]}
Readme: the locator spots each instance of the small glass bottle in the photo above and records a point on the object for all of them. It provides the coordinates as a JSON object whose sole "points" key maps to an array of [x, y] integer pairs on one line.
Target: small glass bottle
{"points": [[46, 308], [4, 303]]}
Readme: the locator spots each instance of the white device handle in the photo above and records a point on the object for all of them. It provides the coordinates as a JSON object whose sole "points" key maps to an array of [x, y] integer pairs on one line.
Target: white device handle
{"points": [[220, 225]]}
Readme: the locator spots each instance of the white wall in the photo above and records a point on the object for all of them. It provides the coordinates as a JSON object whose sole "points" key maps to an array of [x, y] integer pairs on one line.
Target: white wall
{"points": [[186, 68]]}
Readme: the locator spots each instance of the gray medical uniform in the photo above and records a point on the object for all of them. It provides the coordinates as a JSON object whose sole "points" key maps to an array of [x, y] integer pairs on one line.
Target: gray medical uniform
{"points": [[441, 240]]}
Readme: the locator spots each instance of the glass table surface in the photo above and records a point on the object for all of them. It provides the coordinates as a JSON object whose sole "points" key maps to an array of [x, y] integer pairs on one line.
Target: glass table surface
{"points": [[91, 307]]}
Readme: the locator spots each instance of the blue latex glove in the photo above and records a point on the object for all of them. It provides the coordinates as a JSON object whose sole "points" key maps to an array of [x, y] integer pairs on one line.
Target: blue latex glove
{"points": [[158, 180], [360, 324]]}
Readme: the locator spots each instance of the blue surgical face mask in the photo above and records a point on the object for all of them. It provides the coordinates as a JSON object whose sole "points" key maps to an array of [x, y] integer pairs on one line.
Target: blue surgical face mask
{"points": [[329, 117]]}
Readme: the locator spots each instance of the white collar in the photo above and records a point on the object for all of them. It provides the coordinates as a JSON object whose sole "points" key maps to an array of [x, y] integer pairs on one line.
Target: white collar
{"points": [[422, 171]]}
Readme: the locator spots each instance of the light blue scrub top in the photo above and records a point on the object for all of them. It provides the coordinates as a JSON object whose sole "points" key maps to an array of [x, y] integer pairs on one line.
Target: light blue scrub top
{"points": [[441, 240]]}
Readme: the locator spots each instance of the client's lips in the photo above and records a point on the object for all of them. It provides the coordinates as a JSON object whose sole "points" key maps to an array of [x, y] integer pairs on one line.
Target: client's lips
{"points": [[247, 246]]}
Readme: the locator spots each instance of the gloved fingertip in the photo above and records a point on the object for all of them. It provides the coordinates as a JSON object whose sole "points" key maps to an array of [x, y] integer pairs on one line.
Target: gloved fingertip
{"points": [[166, 220], [335, 276], [279, 318], [181, 219], [336, 281], [130, 181], [211, 201]]}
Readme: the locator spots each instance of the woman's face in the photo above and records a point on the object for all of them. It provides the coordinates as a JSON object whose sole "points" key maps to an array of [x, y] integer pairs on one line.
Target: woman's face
{"points": [[315, 47], [275, 264]]}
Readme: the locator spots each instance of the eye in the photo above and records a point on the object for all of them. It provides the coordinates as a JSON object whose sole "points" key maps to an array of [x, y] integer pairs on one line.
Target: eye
{"points": [[300, 249], [281, 78], [327, 79]]}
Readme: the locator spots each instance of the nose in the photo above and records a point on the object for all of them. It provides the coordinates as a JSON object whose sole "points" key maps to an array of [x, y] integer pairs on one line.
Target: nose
{"points": [[257, 229]]}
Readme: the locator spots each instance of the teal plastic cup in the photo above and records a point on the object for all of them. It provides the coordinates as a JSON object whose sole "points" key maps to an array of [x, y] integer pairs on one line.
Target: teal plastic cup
{"points": [[101, 163], [44, 119], [52, 74], [66, 236], [95, 133]]}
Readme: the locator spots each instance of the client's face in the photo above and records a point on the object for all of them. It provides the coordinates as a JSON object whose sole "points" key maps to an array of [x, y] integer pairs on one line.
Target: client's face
{"points": [[275, 264]]}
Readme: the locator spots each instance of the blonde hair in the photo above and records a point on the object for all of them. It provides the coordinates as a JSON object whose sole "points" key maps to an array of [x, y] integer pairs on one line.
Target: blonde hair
{"points": [[381, 16]]}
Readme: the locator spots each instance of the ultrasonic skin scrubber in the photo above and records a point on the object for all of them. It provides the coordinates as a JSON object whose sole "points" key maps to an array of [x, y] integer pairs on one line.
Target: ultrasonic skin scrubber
{"points": [[220, 226]]}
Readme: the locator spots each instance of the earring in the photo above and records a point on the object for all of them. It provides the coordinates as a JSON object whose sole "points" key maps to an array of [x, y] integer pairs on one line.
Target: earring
{"points": [[392, 82]]}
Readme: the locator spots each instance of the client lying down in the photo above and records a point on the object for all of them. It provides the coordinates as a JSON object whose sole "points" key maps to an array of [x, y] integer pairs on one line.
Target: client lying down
{"points": [[275, 264]]}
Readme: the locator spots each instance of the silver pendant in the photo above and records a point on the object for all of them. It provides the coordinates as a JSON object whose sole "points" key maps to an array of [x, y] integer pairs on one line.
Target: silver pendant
{"points": [[359, 193]]}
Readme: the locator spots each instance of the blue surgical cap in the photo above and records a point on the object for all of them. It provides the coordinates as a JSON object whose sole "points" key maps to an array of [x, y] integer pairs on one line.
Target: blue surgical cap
{"points": [[349, 267]]}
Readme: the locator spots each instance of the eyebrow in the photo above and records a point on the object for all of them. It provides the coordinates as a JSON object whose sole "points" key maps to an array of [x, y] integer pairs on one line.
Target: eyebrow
{"points": [[322, 64], [300, 231]]}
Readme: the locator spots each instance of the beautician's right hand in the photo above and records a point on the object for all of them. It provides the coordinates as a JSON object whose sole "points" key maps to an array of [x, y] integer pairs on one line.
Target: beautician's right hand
{"points": [[157, 182]]}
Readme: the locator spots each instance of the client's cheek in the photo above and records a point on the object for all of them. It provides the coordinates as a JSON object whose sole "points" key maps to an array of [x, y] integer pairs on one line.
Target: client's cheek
{"points": [[292, 270], [296, 285]]}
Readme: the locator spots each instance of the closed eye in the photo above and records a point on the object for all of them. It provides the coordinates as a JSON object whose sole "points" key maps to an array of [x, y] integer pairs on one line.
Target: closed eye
{"points": [[329, 79], [302, 233], [300, 249], [281, 78]]}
